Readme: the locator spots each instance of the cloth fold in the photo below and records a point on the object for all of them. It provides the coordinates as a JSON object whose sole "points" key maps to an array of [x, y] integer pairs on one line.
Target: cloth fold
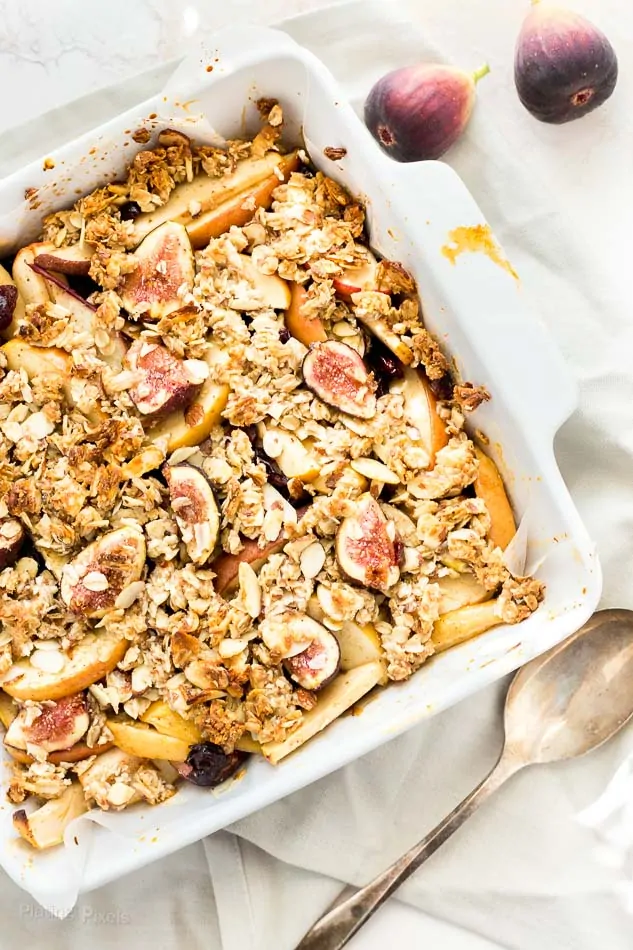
{"points": [[523, 871]]}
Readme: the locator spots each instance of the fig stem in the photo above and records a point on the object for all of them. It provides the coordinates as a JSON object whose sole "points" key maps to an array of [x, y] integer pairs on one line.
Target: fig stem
{"points": [[481, 72]]}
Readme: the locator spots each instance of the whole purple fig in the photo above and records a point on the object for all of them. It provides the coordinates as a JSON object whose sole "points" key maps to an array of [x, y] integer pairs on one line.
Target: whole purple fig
{"points": [[418, 112], [564, 65]]}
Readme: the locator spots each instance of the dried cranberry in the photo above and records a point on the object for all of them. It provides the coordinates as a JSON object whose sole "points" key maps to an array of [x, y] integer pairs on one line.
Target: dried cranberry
{"points": [[442, 388], [8, 301], [208, 765], [130, 210], [284, 335], [385, 366]]}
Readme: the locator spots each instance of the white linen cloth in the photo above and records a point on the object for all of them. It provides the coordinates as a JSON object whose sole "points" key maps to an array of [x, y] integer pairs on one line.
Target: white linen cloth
{"points": [[523, 872]]}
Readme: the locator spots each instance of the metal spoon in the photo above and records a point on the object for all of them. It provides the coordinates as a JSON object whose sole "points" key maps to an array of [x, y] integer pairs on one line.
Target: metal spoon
{"points": [[560, 705]]}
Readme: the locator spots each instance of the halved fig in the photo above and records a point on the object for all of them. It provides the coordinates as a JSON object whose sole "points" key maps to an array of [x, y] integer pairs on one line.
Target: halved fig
{"points": [[12, 311], [59, 726], [365, 546], [90, 660], [74, 260], [355, 279], [92, 582], [208, 207], [191, 426], [304, 325], [336, 374], [316, 666], [358, 643], [165, 384], [45, 827], [164, 273], [195, 510], [12, 537]]}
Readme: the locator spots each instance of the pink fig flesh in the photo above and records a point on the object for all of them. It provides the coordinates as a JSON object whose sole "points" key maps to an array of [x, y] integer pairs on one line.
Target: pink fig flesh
{"points": [[564, 66], [418, 112]]}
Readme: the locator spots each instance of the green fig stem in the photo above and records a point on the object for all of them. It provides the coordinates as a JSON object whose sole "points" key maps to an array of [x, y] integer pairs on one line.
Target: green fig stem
{"points": [[481, 72]]}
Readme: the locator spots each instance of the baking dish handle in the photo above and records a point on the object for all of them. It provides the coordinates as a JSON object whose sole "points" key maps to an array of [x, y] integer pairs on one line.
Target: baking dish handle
{"points": [[533, 377], [230, 50]]}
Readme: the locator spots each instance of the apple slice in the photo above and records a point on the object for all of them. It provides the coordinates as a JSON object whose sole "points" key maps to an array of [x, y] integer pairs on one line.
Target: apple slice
{"points": [[32, 287], [219, 203], [227, 566], [420, 407], [88, 662], [191, 426], [38, 360], [246, 743], [300, 321], [59, 726], [293, 456], [464, 624], [44, 828], [273, 289], [342, 693], [76, 753], [381, 329], [163, 718], [355, 279], [92, 582], [490, 488], [359, 643], [137, 738], [456, 592]]}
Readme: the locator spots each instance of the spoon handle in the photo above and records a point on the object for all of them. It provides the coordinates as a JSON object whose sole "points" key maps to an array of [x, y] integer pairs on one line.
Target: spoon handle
{"points": [[347, 916]]}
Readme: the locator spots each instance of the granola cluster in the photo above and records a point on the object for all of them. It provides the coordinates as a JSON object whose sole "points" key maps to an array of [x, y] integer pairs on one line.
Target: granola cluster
{"points": [[79, 460]]}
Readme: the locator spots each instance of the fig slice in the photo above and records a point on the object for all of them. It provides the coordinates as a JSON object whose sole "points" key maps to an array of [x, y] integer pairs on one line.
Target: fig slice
{"points": [[195, 510], [316, 666], [12, 537], [365, 546], [165, 384], [92, 582], [336, 374], [60, 725], [164, 273]]}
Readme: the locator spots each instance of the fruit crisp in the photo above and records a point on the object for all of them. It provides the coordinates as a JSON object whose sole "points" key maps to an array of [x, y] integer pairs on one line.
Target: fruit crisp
{"points": [[237, 490]]}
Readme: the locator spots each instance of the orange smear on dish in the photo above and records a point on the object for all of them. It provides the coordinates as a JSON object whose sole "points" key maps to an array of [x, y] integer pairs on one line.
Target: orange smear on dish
{"points": [[477, 239]]}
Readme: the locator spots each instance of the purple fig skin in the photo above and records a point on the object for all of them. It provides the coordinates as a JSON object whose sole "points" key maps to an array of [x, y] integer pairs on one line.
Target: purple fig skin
{"points": [[418, 112], [564, 66]]}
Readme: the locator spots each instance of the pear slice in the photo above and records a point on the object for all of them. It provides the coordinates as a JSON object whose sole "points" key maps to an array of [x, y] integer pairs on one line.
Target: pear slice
{"points": [[8, 709], [208, 207], [44, 828], [456, 592], [358, 643], [490, 488], [342, 693], [89, 661], [138, 738], [273, 289], [420, 407], [170, 723], [464, 624]]}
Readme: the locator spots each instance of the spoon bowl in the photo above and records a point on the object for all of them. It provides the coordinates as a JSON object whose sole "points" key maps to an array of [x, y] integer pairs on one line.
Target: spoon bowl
{"points": [[563, 704], [569, 701]]}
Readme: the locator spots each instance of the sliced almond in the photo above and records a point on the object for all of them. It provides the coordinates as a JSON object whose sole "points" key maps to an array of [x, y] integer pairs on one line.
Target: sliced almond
{"points": [[228, 648], [95, 581], [196, 370], [48, 661], [129, 595], [312, 560], [250, 589], [375, 471]]}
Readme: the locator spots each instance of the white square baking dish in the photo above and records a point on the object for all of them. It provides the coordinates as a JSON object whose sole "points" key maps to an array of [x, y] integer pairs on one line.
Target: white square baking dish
{"points": [[473, 305]]}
